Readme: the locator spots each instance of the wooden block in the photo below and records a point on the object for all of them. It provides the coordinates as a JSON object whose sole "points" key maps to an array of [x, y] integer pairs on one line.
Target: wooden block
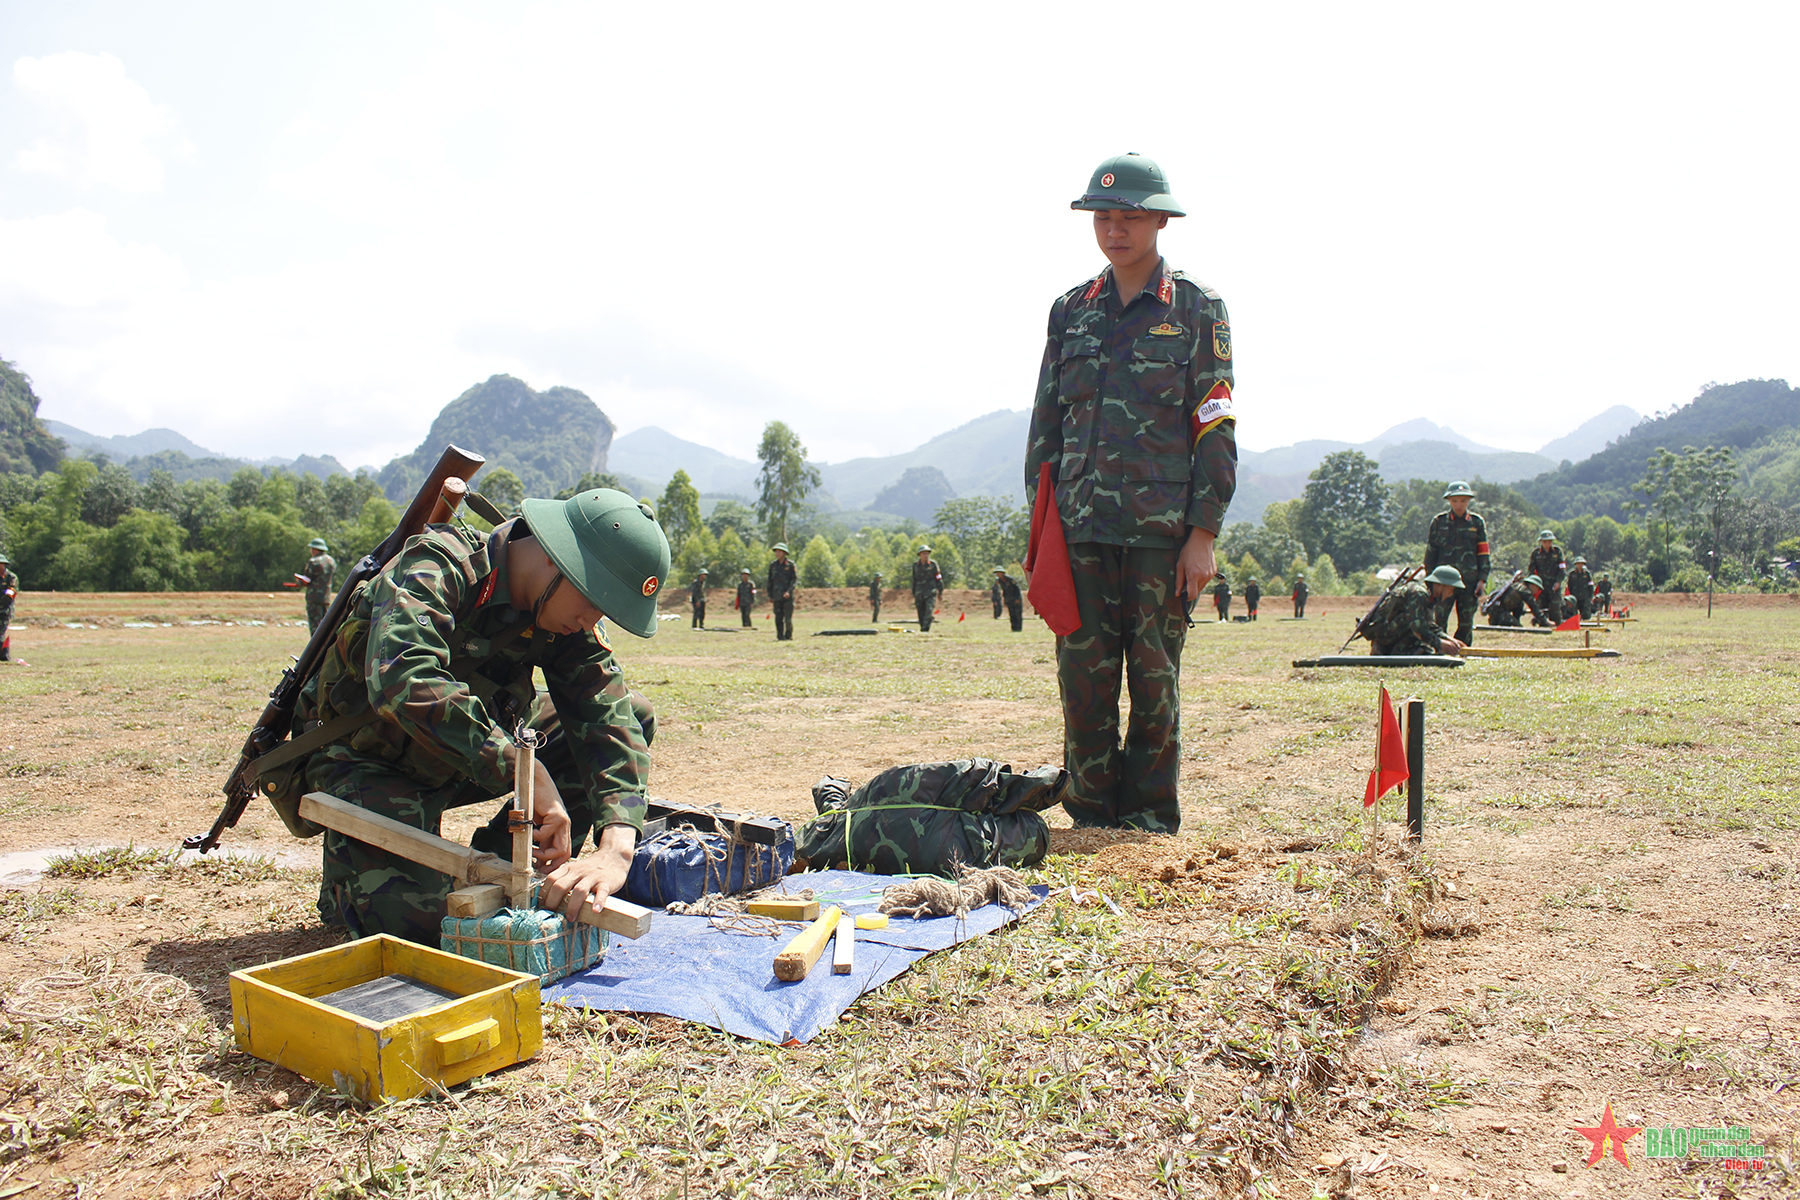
{"points": [[785, 910], [618, 916], [843, 950], [872, 921], [476, 900], [799, 955]]}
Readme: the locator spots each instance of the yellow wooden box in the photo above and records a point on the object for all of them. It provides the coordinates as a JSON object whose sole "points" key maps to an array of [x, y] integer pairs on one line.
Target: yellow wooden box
{"points": [[493, 1023]]}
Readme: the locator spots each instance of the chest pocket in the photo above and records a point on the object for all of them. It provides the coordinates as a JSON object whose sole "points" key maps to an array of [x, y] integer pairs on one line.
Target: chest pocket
{"points": [[1078, 369], [1159, 369]]}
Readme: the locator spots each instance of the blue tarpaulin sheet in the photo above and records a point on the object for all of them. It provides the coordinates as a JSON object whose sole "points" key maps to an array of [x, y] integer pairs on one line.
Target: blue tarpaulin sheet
{"points": [[685, 968]]}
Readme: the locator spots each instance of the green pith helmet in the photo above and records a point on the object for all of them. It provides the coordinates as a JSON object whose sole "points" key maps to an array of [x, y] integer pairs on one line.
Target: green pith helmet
{"points": [[1581, 560], [1459, 488], [1129, 181], [1546, 536], [878, 574], [317, 544], [703, 571], [610, 547], [781, 546], [3, 559], [923, 550], [743, 570], [999, 570], [1534, 581], [1447, 575]]}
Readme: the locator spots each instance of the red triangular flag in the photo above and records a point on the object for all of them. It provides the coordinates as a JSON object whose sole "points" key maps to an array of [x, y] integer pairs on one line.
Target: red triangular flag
{"points": [[963, 617], [1390, 754], [1573, 623], [1052, 587]]}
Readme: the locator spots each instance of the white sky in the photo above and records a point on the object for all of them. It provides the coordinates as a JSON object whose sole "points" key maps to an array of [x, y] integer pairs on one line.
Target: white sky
{"points": [[287, 229]]}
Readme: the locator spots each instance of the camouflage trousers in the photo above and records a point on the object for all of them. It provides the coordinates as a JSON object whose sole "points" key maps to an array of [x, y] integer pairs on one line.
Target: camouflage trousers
{"points": [[784, 619], [1015, 609], [1300, 607], [1583, 604], [1132, 623], [315, 611], [875, 610], [1408, 645], [369, 891], [699, 614], [5, 639], [924, 604], [744, 612], [1464, 602]]}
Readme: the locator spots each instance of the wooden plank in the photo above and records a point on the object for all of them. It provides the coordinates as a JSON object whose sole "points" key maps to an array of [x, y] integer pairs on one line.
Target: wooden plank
{"points": [[799, 955], [476, 900], [618, 916], [1538, 652], [843, 950], [1380, 660], [785, 910]]}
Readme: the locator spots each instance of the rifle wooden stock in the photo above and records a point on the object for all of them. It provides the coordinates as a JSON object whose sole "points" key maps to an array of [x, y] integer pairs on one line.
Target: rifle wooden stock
{"points": [[271, 728]]}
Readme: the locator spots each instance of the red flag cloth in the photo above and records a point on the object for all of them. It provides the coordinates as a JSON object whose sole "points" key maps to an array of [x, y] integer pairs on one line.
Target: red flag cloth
{"points": [[1572, 623], [963, 617], [1052, 587], [1390, 754]]}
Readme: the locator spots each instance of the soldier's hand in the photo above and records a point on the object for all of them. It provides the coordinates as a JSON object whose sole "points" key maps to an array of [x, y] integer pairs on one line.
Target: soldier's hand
{"points": [[1195, 567], [590, 880], [1449, 645], [550, 842]]}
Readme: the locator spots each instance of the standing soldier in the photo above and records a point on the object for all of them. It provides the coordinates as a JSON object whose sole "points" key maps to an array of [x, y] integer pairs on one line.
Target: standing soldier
{"points": [[1252, 597], [1133, 420], [1581, 586], [1458, 538], [1222, 598], [9, 591], [782, 577], [746, 596], [433, 673], [1548, 565], [1300, 597], [927, 582], [996, 592], [697, 598], [1009, 595], [875, 598], [1603, 595], [321, 569]]}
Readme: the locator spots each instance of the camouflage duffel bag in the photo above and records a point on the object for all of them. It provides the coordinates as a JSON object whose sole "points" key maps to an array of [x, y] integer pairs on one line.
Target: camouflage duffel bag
{"points": [[928, 818]]}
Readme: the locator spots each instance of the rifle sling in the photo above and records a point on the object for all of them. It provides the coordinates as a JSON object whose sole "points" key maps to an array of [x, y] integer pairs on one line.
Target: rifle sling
{"points": [[337, 727]]}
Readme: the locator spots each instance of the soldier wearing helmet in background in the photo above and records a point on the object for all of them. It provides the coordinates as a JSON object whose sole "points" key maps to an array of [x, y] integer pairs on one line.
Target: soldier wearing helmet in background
{"points": [[321, 571], [1299, 596], [9, 592], [432, 670], [697, 599], [1581, 586], [782, 579], [875, 598], [746, 597], [1548, 565], [1008, 588], [1405, 622], [1603, 595], [1133, 418], [1507, 606], [1458, 538], [927, 583]]}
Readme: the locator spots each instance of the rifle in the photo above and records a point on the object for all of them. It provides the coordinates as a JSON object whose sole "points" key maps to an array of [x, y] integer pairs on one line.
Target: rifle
{"points": [[438, 498], [1404, 576], [1488, 601]]}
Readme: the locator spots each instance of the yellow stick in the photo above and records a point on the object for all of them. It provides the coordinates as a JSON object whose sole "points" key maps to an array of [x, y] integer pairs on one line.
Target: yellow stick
{"points": [[798, 957]]}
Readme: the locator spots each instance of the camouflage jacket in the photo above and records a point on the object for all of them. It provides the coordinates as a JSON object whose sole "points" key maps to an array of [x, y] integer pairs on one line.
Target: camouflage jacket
{"points": [[1009, 592], [931, 817], [1221, 591], [9, 591], [875, 590], [320, 571], [1406, 615], [1133, 411], [410, 646], [697, 591], [927, 580], [1515, 598], [1581, 584], [1603, 591], [781, 579], [1300, 592], [1253, 595], [1548, 566], [1461, 543], [746, 594]]}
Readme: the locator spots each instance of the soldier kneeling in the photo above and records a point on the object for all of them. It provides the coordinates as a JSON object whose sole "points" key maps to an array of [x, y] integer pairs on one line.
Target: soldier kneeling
{"points": [[1405, 623]]}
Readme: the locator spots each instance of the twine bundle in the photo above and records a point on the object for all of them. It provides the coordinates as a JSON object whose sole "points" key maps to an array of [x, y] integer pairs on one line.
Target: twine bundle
{"points": [[974, 888]]}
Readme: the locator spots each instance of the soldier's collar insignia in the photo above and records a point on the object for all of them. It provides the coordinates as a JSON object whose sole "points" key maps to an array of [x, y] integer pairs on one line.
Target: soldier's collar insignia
{"points": [[1167, 329], [1165, 291], [1094, 286]]}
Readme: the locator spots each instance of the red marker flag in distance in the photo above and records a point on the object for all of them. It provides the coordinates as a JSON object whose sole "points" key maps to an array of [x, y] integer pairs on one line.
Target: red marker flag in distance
{"points": [[1390, 754], [962, 616], [1570, 625], [1052, 587]]}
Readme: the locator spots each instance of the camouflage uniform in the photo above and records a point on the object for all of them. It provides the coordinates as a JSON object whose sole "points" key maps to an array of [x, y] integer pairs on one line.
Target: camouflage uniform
{"points": [[435, 646], [321, 569], [1509, 604], [1603, 596], [697, 599], [1014, 601], [1300, 594], [782, 576], [931, 818], [1460, 542], [1222, 598], [746, 599], [1133, 411], [1407, 622], [994, 594], [1252, 597], [1548, 566], [927, 582], [1581, 586], [874, 600], [9, 591]]}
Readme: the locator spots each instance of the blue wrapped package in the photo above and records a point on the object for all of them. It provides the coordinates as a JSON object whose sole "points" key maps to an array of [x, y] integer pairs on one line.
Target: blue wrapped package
{"points": [[534, 941], [682, 865]]}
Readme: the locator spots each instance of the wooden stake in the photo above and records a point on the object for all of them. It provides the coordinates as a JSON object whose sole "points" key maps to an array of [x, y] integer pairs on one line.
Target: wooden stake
{"points": [[784, 910], [843, 950], [518, 890], [799, 955]]}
